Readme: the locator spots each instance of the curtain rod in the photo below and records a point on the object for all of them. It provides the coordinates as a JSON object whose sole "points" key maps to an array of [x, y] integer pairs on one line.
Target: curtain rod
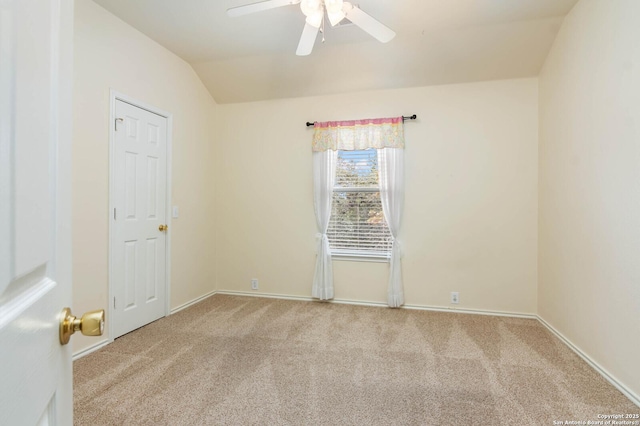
{"points": [[411, 117]]}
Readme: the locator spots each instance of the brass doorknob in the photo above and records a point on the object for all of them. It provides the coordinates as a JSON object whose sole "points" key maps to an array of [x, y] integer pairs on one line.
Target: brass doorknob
{"points": [[163, 227], [91, 324]]}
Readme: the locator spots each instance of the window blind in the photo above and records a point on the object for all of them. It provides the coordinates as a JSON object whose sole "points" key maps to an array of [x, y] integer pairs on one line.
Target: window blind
{"points": [[357, 225]]}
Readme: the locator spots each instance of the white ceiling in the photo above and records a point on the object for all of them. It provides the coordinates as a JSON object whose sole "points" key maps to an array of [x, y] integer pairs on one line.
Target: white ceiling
{"points": [[438, 42]]}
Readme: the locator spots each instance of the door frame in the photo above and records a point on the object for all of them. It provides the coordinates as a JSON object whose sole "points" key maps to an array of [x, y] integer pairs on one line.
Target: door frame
{"points": [[113, 97]]}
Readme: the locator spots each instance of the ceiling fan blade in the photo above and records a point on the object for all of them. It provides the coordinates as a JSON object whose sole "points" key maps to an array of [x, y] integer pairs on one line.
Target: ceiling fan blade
{"points": [[369, 24], [307, 40], [259, 7]]}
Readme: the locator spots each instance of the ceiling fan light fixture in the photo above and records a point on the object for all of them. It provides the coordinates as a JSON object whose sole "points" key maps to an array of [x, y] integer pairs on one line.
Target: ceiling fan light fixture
{"points": [[311, 7], [315, 20], [334, 11], [333, 6]]}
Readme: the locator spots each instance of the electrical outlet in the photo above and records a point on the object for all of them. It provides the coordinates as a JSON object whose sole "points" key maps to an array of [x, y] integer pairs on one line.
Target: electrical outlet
{"points": [[455, 297], [254, 284]]}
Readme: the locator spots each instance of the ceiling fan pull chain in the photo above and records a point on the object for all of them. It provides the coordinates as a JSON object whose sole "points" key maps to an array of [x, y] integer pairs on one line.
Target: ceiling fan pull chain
{"points": [[323, 28]]}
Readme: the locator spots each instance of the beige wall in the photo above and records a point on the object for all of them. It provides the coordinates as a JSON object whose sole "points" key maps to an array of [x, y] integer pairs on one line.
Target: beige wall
{"points": [[111, 54], [589, 178], [470, 222]]}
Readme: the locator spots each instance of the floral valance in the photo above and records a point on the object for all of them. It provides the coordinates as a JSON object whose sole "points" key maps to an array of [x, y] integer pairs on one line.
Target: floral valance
{"points": [[358, 134]]}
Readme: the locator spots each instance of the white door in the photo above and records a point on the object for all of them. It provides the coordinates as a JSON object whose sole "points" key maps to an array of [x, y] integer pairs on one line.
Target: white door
{"points": [[36, 42], [138, 242]]}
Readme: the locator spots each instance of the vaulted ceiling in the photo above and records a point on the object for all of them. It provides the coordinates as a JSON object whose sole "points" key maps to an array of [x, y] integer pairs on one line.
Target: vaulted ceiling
{"points": [[253, 57]]}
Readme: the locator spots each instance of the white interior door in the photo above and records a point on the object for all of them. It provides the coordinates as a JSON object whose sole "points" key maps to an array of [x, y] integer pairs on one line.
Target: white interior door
{"points": [[138, 244], [36, 41]]}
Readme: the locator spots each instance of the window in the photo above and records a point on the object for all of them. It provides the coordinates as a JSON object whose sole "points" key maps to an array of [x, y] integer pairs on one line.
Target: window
{"points": [[357, 226]]}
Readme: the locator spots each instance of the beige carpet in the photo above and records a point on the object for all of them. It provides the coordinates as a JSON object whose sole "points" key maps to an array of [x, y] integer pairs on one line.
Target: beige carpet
{"points": [[253, 361]]}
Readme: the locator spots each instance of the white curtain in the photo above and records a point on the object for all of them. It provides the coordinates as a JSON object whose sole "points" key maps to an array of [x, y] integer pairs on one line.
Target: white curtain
{"points": [[324, 175], [391, 178]]}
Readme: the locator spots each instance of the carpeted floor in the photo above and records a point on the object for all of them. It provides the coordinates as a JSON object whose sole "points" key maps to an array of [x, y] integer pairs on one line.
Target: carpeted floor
{"points": [[254, 361]]}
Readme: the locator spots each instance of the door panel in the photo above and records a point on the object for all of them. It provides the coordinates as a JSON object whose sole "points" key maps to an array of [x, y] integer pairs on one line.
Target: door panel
{"points": [[152, 269], [138, 246], [35, 193], [131, 278]]}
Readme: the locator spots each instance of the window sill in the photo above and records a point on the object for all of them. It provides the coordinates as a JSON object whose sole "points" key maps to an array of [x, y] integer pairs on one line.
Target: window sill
{"points": [[358, 257]]}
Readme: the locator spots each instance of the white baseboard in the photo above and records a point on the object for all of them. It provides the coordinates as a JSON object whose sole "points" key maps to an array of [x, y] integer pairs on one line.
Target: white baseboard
{"points": [[92, 348], [470, 311], [265, 295], [603, 372], [380, 304], [192, 302]]}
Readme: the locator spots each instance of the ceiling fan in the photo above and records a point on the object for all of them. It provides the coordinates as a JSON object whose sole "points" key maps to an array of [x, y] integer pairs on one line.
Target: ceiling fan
{"points": [[315, 10]]}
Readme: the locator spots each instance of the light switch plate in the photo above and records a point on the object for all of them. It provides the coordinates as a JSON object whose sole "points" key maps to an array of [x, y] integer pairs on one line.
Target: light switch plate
{"points": [[175, 212]]}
